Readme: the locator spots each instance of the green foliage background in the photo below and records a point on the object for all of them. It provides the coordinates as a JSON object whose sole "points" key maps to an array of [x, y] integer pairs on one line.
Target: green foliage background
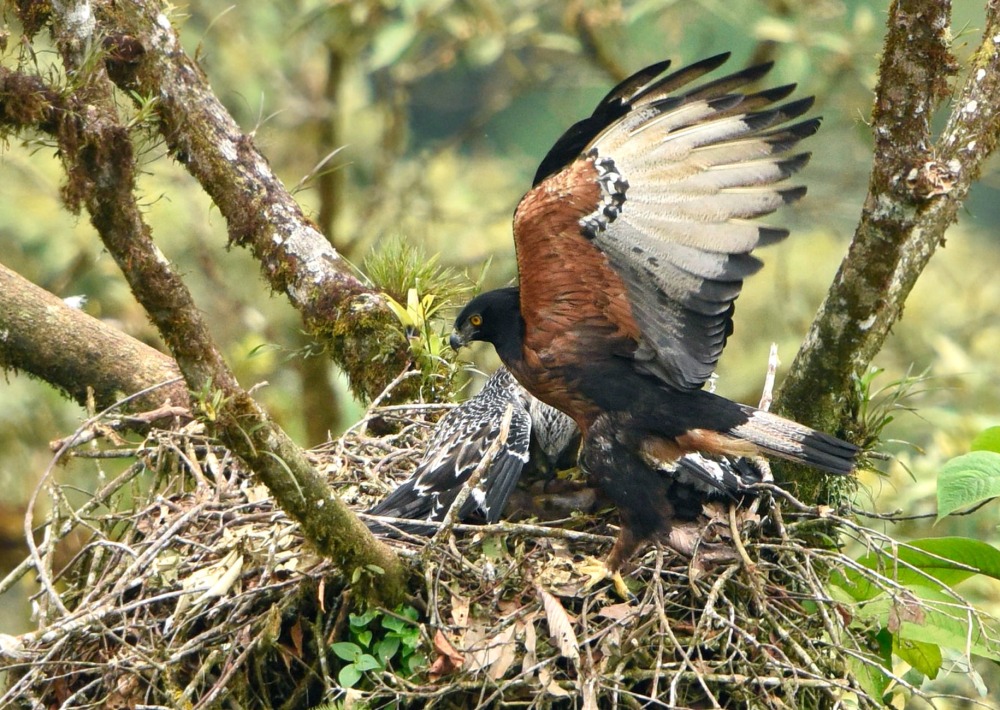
{"points": [[440, 110]]}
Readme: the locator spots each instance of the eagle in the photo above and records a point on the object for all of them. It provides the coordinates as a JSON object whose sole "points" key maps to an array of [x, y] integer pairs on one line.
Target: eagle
{"points": [[537, 436], [540, 440], [632, 247]]}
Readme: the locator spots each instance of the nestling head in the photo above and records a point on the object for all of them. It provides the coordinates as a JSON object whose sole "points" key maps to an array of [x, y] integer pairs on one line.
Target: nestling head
{"points": [[494, 317]]}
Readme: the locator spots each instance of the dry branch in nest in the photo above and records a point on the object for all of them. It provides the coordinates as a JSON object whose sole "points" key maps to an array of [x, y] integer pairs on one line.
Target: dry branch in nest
{"points": [[194, 591]]}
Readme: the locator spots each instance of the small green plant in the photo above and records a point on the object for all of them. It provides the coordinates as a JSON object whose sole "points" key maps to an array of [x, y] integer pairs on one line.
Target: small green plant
{"points": [[418, 289], [393, 643], [876, 407], [902, 594]]}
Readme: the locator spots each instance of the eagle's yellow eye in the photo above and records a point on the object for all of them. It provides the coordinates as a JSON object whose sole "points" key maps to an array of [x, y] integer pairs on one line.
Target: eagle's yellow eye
{"points": [[476, 320]]}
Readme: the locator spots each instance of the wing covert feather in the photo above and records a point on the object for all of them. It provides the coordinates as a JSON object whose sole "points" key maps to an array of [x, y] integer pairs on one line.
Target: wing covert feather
{"points": [[644, 238]]}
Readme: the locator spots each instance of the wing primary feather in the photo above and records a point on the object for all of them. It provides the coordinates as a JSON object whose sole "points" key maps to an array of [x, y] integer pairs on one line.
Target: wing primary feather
{"points": [[683, 76], [732, 81]]}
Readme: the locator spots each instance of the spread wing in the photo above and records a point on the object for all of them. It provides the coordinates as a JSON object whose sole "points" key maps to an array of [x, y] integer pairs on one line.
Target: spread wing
{"points": [[641, 241], [457, 446]]}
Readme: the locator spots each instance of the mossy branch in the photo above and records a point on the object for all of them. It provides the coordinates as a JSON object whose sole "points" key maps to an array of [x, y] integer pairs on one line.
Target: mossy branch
{"points": [[81, 355], [916, 188], [145, 58], [101, 170]]}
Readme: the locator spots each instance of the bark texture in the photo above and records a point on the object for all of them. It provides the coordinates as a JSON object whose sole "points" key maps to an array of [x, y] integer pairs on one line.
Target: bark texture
{"points": [[100, 165], [144, 56], [79, 354], [917, 186]]}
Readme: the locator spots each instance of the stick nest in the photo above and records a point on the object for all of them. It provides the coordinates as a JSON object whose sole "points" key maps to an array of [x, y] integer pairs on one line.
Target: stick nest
{"points": [[192, 590]]}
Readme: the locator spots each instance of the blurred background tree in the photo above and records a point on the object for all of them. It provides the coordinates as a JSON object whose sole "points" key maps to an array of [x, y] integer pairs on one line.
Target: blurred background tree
{"points": [[424, 120]]}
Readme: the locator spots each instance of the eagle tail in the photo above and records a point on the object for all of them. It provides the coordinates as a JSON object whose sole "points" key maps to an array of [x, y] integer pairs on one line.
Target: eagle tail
{"points": [[786, 439]]}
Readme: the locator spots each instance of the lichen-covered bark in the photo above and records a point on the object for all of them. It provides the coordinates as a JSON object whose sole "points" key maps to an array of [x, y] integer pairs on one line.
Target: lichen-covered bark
{"points": [[79, 354], [916, 188], [100, 165], [144, 55]]}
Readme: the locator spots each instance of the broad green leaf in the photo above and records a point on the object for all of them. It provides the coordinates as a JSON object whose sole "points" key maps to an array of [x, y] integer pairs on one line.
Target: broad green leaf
{"points": [[348, 676], [367, 662], [359, 621], [346, 650], [869, 676], [966, 480], [387, 648], [415, 662], [365, 638], [393, 624], [870, 672], [935, 619], [925, 657], [942, 558], [987, 440]]}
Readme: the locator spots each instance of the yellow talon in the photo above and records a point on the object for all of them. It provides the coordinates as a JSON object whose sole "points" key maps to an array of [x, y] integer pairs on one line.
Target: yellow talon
{"points": [[622, 590], [594, 570], [597, 571]]}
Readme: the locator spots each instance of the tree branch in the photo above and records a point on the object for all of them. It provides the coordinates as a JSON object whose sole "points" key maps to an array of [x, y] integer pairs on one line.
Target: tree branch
{"points": [[145, 57], [916, 189], [41, 335], [100, 165]]}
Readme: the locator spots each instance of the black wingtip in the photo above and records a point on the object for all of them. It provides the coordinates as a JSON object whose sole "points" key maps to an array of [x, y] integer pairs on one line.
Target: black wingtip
{"points": [[792, 194], [771, 95], [632, 86], [794, 109], [770, 235], [792, 164]]}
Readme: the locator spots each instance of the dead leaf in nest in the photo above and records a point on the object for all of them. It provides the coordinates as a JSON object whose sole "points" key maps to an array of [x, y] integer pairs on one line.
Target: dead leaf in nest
{"points": [[500, 654], [551, 686], [484, 649], [459, 610], [257, 494], [530, 644], [560, 626], [296, 633], [617, 612], [448, 660]]}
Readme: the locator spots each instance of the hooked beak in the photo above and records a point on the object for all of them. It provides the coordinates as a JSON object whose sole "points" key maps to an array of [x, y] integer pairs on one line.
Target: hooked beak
{"points": [[462, 335]]}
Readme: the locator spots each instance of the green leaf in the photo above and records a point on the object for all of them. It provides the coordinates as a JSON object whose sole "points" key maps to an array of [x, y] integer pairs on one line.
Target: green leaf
{"points": [[492, 547], [966, 480], [367, 662], [925, 657], [387, 648], [987, 440], [359, 621], [348, 676], [391, 623], [869, 675], [931, 617], [346, 650], [410, 637], [364, 638], [941, 558], [415, 662]]}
